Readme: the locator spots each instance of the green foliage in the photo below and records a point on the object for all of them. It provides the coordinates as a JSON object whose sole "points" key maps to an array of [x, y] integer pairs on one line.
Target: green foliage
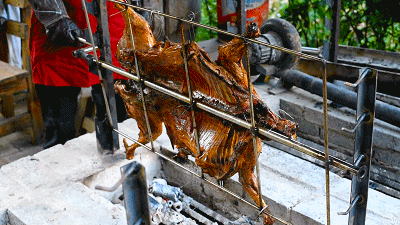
{"points": [[208, 17], [309, 19], [363, 23]]}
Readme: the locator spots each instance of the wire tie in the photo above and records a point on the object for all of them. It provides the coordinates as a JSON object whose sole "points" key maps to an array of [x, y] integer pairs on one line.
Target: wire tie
{"points": [[262, 210], [254, 131]]}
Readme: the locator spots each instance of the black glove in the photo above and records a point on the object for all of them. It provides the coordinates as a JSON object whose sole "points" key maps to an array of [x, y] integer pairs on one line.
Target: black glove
{"points": [[65, 32]]}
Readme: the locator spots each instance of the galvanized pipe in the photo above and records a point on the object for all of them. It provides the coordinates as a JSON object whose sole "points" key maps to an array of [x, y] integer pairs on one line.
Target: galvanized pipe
{"points": [[383, 111]]}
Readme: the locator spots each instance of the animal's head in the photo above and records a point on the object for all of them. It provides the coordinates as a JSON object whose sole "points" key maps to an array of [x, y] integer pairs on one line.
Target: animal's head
{"points": [[269, 120]]}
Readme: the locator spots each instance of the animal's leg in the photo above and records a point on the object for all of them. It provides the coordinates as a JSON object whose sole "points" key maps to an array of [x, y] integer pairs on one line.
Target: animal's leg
{"points": [[250, 184], [156, 130]]}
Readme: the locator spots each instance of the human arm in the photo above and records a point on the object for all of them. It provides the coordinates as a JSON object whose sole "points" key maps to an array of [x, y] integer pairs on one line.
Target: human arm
{"points": [[54, 17]]}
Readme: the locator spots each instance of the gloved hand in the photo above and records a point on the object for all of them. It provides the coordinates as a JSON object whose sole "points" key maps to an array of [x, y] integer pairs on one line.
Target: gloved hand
{"points": [[65, 32]]}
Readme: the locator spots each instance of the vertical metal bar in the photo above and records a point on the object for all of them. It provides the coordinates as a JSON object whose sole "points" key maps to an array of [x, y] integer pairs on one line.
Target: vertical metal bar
{"points": [[253, 124], [136, 197], [326, 144], [363, 146], [141, 86], [106, 82], [105, 54], [196, 135], [241, 16], [335, 31]]}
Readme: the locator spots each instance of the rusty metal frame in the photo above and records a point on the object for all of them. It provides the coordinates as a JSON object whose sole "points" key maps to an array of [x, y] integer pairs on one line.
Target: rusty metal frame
{"points": [[355, 170]]}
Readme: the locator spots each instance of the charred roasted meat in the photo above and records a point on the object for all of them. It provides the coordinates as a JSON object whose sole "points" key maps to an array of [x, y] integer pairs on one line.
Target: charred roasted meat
{"points": [[225, 148]]}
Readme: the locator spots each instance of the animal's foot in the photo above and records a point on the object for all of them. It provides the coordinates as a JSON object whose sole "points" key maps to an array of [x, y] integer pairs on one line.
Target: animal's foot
{"points": [[130, 150]]}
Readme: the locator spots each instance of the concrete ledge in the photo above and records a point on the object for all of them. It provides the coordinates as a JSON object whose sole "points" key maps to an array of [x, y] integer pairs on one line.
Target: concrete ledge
{"points": [[70, 203], [386, 139], [55, 186]]}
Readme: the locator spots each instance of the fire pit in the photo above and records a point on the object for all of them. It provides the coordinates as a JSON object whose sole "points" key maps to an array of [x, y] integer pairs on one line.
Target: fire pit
{"points": [[176, 196]]}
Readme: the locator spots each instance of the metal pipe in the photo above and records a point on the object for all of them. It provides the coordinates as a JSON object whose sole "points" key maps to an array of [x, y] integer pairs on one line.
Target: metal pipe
{"points": [[363, 147], [136, 197], [338, 163], [383, 111]]}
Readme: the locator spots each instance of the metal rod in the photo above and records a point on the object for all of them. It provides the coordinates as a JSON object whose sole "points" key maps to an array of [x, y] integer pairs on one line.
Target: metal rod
{"points": [[363, 146], [189, 86], [326, 145], [338, 163], [201, 177], [97, 60], [84, 40], [302, 55], [253, 122], [141, 87], [364, 116], [355, 201]]}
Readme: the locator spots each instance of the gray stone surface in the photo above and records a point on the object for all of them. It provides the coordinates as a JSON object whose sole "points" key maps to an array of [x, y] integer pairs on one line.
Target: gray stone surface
{"points": [[69, 203], [386, 138], [55, 186]]}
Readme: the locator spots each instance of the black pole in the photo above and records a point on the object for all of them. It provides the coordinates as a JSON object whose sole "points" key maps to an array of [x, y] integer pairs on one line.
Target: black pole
{"points": [[104, 127], [363, 147], [136, 197], [335, 31], [383, 111]]}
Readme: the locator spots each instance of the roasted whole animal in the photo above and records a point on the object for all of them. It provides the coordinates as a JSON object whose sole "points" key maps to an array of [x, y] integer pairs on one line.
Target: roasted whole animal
{"points": [[225, 148]]}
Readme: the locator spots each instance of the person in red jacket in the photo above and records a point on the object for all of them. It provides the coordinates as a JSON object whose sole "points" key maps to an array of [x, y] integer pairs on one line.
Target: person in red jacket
{"points": [[57, 74]]}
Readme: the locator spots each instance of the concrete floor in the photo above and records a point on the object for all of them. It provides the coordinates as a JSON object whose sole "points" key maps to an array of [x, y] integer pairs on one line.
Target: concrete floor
{"points": [[18, 144], [15, 146]]}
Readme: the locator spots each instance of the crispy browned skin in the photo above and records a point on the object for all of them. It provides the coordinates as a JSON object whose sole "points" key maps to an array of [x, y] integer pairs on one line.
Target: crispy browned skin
{"points": [[225, 148]]}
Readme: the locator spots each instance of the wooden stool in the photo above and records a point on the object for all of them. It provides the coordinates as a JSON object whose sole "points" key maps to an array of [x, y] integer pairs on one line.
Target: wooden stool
{"points": [[14, 80]]}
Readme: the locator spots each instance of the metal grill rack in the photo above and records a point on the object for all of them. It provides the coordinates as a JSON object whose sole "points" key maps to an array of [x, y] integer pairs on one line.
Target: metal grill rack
{"points": [[365, 109]]}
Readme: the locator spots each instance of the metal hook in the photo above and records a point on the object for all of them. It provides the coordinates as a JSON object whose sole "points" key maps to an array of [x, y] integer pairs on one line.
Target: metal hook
{"points": [[359, 160], [357, 199], [363, 117], [360, 79]]}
